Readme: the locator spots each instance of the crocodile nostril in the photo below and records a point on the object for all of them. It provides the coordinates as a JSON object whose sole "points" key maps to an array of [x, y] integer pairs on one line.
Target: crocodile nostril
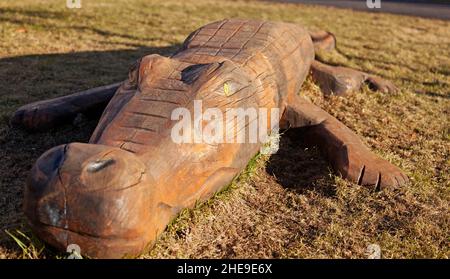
{"points": [[99, 165], [46, 168], [50, 161]]}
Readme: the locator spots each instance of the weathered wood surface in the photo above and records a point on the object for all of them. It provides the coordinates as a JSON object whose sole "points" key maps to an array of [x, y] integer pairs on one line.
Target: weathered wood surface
{"points": [[49, 113], [114, 195]]}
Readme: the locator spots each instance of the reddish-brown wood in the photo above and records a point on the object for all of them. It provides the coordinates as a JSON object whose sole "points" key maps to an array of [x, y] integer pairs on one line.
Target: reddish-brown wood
{"points": [[342, 81], [114, 195], [49, 113]]}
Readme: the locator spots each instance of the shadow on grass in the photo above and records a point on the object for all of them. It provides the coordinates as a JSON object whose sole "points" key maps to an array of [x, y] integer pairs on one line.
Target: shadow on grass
{"points": [[300, 167], [35, 77], [36, 18], [30, 78]]}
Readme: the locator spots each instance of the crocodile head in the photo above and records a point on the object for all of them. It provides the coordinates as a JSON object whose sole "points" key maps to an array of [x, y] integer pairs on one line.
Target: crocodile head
{"points": [[107, 194]]}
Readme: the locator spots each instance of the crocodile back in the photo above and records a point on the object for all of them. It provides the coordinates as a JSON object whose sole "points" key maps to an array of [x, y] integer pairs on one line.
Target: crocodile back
{"points": [[276, 54], [278, 51]]}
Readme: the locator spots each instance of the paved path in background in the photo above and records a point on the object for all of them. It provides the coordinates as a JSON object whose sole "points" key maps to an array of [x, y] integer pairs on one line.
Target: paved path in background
{"points": [[414, 8]]}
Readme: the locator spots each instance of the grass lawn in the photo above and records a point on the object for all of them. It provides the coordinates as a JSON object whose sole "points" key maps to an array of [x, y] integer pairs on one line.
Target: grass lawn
{"points": [[287, 205]]}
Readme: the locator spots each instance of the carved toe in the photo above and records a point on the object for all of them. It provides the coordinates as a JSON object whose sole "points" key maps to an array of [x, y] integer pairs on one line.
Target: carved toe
{"points": [[379, 84], [379, 174]]}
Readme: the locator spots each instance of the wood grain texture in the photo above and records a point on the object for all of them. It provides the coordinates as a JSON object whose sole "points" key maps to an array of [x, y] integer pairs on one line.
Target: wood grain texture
{"points": [[114, 195]]}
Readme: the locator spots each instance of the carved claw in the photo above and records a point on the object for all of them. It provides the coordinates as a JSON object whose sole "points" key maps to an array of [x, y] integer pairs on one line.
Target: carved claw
{"points": [[366, 169], [377, 83]]}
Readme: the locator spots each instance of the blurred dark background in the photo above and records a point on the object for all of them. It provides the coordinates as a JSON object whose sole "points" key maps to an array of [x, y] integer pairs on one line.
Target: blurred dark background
{"points": [[439, 9]]}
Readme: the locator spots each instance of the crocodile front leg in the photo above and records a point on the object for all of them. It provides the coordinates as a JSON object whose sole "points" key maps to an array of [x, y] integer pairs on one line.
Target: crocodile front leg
{"points": [[343, 148]]}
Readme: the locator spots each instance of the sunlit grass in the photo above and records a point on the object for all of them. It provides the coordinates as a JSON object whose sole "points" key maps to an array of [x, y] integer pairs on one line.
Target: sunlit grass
{"points": [[301, 209]]}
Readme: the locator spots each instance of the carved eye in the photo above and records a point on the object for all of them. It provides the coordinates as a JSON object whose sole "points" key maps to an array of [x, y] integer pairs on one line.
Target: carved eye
{"points": [[228, 88]]}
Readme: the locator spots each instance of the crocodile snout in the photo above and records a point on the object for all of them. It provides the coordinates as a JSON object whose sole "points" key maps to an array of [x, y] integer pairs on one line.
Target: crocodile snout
{"points": [[80, 193]]}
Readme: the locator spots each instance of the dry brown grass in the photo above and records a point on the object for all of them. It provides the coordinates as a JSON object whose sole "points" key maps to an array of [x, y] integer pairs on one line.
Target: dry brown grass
{"points": [[289, 205]]}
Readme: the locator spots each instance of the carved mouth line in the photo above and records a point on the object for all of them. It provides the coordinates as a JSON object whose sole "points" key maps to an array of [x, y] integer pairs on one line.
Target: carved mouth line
{"points": [[68, 230]]}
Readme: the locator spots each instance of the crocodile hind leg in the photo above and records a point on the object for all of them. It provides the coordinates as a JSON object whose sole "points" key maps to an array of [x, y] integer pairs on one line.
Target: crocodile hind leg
{"points": [[341, 80], [50, 113], [323, 40], [342, 147]]}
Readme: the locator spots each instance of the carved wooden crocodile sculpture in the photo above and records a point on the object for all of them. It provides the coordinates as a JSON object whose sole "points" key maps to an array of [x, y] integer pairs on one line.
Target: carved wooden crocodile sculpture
{"points": [[114, 195]]}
